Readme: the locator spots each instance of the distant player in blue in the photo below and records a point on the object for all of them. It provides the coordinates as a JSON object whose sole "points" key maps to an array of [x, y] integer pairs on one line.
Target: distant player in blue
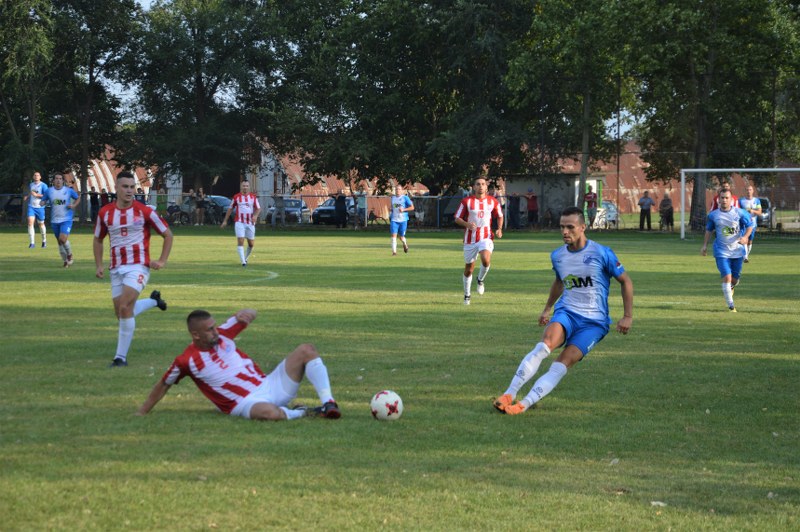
{"points": [[35, 197], [401, 206], [732, 227], [64, 200], [584, 270], [752, 205]]}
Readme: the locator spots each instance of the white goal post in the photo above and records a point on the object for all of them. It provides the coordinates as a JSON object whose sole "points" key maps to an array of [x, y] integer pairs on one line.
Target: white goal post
{"points": [[685, 171]]}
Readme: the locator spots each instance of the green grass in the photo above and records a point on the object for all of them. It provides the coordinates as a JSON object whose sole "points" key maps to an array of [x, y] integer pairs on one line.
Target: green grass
{"points": [[697, 408]]}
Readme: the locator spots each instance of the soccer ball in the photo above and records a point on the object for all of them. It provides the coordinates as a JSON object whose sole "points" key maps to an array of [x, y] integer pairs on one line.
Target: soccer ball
{"points": [[386, 406]]}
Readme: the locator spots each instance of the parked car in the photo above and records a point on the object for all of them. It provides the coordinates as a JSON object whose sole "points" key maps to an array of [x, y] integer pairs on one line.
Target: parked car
{"points": [[326, 213], [12, 210], [296, 211], [765, 218], [215, 211]]}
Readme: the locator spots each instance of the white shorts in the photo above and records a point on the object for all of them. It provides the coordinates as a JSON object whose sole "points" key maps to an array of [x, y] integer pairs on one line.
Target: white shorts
{"points": [[278, 389], [133, 275], [244, 230], [471, 251]]}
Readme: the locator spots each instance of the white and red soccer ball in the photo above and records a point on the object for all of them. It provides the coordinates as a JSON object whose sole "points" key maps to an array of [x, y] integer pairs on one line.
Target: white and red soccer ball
{"points": [[386, 405]]}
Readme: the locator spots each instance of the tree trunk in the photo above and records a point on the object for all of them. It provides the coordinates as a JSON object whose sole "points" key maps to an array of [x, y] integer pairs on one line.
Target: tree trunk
{"points": [[587, 129]]}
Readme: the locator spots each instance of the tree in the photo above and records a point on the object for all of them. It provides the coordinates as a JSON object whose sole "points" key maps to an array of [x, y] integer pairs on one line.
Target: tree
{"points": [[566, 81], [706, 79], [187, 66], [26, 59], [93, 35], [400, 89]]}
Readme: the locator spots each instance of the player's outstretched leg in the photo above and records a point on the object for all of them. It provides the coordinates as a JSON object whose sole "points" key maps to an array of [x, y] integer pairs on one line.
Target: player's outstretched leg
{"points": [[543, 386], [306, 360], [525, 372]]}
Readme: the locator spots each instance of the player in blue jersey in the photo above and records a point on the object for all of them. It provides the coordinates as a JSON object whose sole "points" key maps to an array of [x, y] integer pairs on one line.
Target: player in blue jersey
{"points": [[732, 227], [35, 197], [752, 205], [63, 201], [584, 270], [401, 206]]}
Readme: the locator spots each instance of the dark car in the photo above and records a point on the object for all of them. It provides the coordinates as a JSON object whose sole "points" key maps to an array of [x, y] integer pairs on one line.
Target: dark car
{"points": [[215, 209], [296, 211], [765, 218], [12, 210], [326, 213]]}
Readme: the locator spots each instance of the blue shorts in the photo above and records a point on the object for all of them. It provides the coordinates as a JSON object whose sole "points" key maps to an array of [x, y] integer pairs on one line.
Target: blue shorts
{"points": [[37, 212], [61, 227], [398, 228], [581, 332], [728, 266]]}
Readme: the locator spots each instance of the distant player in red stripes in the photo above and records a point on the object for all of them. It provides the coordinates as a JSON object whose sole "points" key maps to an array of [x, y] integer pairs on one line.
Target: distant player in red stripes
{"points": [[475, 216], [233, 381], [128, 224], [247, 211]]}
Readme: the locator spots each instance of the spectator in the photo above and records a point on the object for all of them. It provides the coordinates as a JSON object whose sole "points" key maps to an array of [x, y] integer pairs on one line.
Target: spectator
{"points": [[533, 208], [362, 206], [139, 196], [202, 203], [666, 211], [591, 205], [94, 203], [161, 201], [645, 204], [105, 197], [513, 211], [279, 211], [340, 206]]}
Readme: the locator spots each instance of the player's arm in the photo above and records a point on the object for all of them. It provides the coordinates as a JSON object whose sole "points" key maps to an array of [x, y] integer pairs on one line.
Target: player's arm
{"points": [[626, 286], [556, 289], [165, 250], [707, 238], [256, 211], [156, 394], [97, 248], [227, 215], [77, 201], [461, 222], [409, 206]]}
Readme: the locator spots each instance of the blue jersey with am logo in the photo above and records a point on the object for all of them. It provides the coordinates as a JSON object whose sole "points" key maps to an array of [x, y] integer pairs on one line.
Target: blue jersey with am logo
{"points": [[729, 226], [61, 199], [586, 275]]}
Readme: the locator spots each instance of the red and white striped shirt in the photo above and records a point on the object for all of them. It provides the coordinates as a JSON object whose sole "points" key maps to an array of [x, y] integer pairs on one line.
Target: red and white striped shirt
{"points": [[225, 375], [129, 232], [479, 212], [246, 205]]}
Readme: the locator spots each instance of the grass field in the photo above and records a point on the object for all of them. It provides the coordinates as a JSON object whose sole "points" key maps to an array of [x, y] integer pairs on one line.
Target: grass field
{"points": [[691, 422]]}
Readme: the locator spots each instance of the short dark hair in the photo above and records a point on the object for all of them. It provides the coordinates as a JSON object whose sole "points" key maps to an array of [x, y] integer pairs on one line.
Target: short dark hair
{"points": [[195, 316], [569, 211], [125, 174]]}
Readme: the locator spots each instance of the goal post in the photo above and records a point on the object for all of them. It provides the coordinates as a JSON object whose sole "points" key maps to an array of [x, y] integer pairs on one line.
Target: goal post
{"points": [[742, 171]]}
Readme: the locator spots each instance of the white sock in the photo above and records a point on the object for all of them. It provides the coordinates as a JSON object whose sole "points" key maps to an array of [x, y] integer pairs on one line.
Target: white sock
{"points": [[545, 384], [293, 414], [31, 233], [317, 375], [142, 305], [43, 230], [726, 291], [240, 249], [467, 285], [528, 368], [126, 328], [747, 249], [394, 244], [68, 248], [482, 272], [248, 252], [62, 251], [403, 240]]}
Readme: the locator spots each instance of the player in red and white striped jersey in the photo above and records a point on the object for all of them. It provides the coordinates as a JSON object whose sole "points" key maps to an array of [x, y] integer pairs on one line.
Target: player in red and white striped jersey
{"points": [[475, 216], [233, 381], [247, 210], [128, 223]]}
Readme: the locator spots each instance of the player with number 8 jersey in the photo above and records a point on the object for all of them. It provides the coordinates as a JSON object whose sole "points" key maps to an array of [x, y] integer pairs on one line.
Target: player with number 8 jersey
{"points": [[128, 223]]}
